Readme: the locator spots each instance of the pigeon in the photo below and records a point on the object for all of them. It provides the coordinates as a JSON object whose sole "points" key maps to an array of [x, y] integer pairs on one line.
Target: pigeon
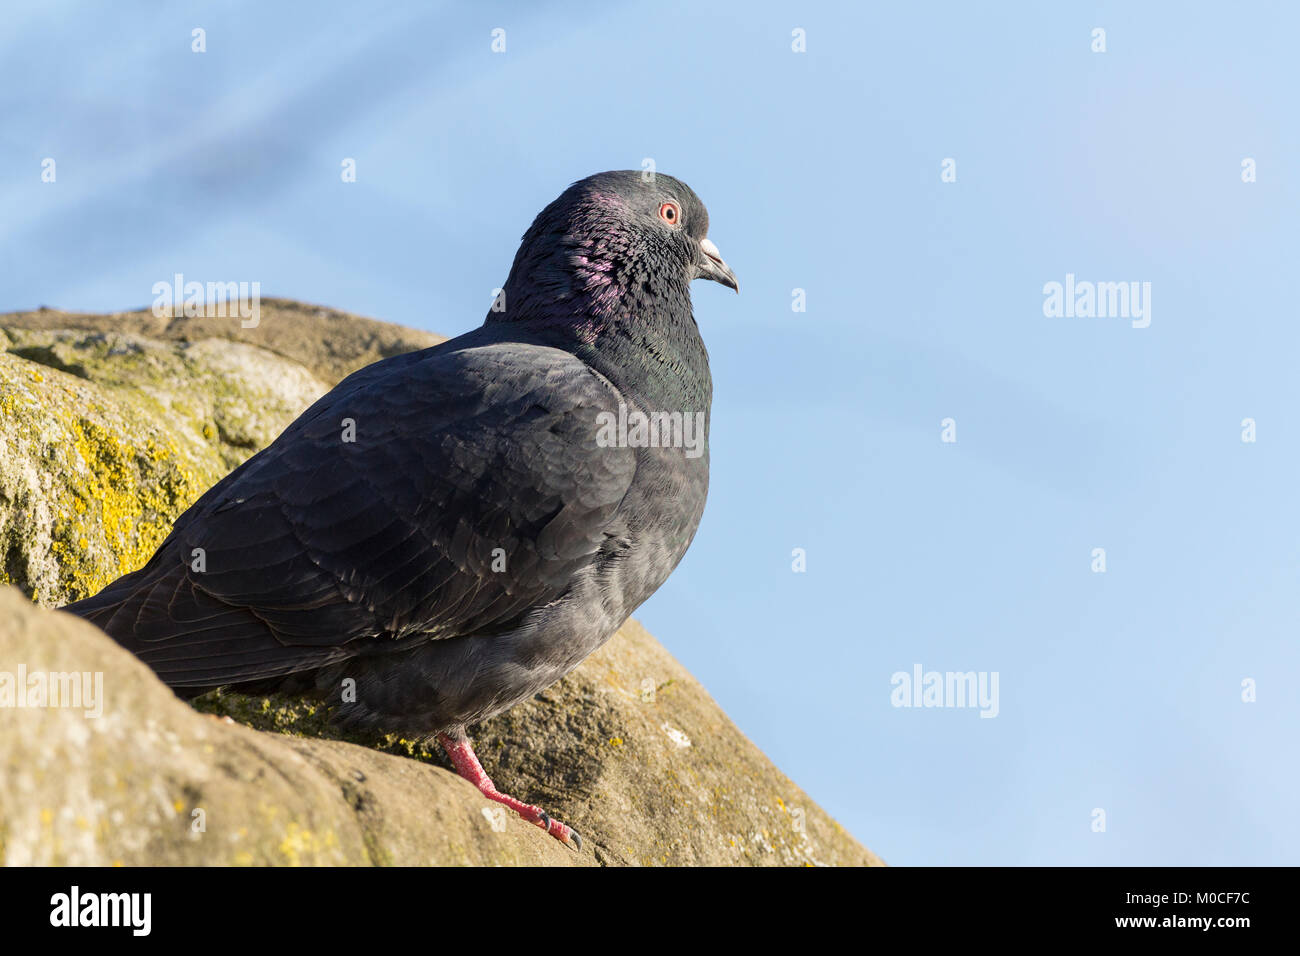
{"points": [[448, 532]]}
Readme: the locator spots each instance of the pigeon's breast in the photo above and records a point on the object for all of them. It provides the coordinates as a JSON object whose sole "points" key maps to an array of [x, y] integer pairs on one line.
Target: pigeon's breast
{"points": [[668, 426], [661, 514]]}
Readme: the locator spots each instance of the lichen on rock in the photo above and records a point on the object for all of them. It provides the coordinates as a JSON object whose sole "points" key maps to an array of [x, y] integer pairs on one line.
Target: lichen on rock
{"points": [[90, 481]]}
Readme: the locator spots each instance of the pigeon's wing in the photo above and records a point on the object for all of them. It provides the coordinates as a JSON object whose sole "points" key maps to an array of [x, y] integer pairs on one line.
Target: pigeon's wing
{"points": [[423, 498]]}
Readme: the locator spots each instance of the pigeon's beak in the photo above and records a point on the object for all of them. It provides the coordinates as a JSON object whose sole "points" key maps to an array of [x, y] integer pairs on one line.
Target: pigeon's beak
{"points": [[712, 267]]}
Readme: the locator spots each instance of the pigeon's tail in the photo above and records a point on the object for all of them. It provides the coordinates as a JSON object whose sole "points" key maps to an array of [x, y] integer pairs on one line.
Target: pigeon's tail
{"points": [[192, 641], [122, 607], [114, 608]]}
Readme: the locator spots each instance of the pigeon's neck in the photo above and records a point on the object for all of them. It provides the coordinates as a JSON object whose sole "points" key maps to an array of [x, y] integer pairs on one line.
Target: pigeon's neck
{"points": [[640, 335]]}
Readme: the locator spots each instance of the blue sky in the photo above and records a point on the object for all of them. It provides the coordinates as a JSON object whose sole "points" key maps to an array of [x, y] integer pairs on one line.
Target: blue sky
{"points": [[1119, 690]]}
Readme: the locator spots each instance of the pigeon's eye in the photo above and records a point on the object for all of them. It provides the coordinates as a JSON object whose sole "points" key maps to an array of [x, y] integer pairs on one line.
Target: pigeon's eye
{"points": [[670, 213]]}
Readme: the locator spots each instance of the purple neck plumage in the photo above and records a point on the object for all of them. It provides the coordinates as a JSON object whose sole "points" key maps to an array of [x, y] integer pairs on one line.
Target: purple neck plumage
{"points": [[595, 290]]}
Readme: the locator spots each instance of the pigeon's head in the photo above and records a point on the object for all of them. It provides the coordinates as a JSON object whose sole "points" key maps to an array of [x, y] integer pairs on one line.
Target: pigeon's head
{"points": [[616, 242]]}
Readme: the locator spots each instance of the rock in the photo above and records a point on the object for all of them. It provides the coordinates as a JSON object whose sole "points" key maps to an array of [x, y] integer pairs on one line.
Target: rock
{"points": [[151, 782], [105, 438], [328, 342], [234, 397], [111, 426]]}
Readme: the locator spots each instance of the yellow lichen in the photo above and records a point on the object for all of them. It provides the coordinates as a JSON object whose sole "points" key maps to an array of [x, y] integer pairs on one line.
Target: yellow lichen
{"points": [[134, 492], [299, 842]]}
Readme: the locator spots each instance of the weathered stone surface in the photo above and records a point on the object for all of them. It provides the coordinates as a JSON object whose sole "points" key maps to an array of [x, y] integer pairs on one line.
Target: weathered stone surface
{"points": [[105, 438], [328, 342], [124, 787], [110, 427]]}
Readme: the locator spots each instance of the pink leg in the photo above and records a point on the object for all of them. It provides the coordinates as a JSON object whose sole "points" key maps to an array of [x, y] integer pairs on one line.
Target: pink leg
{"points": [[463, 758]]}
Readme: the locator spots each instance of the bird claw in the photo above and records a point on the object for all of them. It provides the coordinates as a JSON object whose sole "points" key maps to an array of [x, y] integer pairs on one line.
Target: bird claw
{"points": [[561, 831]]}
